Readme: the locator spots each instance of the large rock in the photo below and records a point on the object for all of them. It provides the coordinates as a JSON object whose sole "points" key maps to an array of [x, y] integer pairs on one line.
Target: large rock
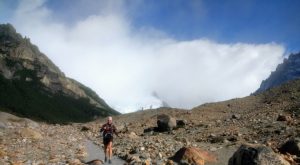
{"points": [[292, 147], [193, 156], [30, 133], [256, 154], [165, 122]]}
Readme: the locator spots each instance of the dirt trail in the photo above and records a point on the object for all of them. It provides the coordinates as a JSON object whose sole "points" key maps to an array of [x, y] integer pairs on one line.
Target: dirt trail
{"points": [[96, 152]]}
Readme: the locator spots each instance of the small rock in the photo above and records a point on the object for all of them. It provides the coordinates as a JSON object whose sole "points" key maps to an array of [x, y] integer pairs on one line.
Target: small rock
{"points": [[132, 135], [292, 147], [213, 149], [160, 155], [145, 156], [85, 128], [192, 155], [217, 139], [236, 116], [147, 162], [2, 125], [149, 130], [134, 159], [170, 162], [74, 162], [95, 162], [284, 118], [181, 123], [2, 153], [232, 138]]}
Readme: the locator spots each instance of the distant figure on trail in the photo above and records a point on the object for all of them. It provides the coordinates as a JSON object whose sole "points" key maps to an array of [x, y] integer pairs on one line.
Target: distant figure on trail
{"points": [[108, 130]]}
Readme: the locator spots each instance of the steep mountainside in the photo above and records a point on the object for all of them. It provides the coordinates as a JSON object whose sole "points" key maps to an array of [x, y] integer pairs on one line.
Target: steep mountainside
{"points": [[32, 86], [288, 70]]}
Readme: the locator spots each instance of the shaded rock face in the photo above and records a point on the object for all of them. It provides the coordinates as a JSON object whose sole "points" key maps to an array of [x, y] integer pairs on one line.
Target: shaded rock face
{"points": [[16, 49], [165, 123], [249, 154], [193, 156], [292, 147], [22, 61], [288, 70]]}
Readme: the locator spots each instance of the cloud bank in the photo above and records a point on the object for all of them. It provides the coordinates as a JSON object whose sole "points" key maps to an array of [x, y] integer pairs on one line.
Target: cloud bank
{"points": [[125, 64]]}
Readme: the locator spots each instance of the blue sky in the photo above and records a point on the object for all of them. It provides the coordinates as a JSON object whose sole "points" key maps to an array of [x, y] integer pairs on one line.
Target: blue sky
{"points": [[188, 52], [251, 21], [228, 21]]}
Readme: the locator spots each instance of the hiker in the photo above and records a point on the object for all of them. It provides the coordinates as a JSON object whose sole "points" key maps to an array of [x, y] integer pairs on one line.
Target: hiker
{"points": [[108, 130]]}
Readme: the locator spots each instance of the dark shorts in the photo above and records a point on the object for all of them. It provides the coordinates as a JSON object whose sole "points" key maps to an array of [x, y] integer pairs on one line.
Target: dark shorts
{"points": [[106, 140]]}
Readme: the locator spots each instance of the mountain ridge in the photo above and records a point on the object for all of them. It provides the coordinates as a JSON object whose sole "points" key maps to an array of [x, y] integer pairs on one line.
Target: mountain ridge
{"points": [[24, 66], [288, 70]]}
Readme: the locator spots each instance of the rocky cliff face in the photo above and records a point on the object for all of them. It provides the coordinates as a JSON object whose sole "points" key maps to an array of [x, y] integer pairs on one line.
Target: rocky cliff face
{"points": [[22, 61], [288, 70]]}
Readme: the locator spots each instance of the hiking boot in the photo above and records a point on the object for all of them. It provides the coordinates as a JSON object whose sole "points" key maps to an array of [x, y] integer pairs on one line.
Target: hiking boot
{"points": [[109, 161], [105, 159]]}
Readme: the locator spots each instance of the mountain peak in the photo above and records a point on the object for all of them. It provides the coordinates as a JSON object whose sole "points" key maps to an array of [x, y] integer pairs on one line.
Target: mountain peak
{"points": [[288, 70]]}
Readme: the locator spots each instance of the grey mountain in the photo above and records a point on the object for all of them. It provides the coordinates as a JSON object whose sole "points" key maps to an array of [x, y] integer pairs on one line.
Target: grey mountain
{"points": [[288, 70]]}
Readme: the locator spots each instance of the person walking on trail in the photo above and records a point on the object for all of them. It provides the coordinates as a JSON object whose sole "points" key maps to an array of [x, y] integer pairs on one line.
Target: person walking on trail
{"points": [[108, 130]]}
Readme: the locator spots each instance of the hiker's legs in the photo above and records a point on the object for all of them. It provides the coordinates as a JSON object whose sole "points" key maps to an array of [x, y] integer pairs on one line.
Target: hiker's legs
{"points": [[110, 149], [105, 150]]}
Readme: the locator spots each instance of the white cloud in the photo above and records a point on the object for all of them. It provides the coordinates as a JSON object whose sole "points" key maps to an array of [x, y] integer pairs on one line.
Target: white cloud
{"points": [[124, 65]]}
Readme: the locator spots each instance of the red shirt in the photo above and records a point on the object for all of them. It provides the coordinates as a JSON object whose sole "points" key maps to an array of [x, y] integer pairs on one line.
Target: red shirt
{"points": [[108, 128]]}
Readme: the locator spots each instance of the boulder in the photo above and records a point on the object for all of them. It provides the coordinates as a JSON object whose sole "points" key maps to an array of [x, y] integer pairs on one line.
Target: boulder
{"points": [[193, 156], [30, 133], [292, 147], [256, 154], [165, 123]]}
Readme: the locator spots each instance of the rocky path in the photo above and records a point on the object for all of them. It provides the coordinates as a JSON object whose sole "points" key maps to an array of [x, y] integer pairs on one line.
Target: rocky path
{"points": [[95, 152]]}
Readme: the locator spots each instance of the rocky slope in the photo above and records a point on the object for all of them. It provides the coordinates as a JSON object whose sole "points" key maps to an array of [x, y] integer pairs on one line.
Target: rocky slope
{"points": [[211, 134], [270, 119], [32, 86], [288, 70]]}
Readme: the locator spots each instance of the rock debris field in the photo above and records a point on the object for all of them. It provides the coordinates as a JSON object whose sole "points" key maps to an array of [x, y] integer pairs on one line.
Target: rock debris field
{"points": [[259, 129]]}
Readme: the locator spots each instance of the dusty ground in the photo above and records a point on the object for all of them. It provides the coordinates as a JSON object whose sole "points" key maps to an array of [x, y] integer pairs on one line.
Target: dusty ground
{"points": [[219, 128]]}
